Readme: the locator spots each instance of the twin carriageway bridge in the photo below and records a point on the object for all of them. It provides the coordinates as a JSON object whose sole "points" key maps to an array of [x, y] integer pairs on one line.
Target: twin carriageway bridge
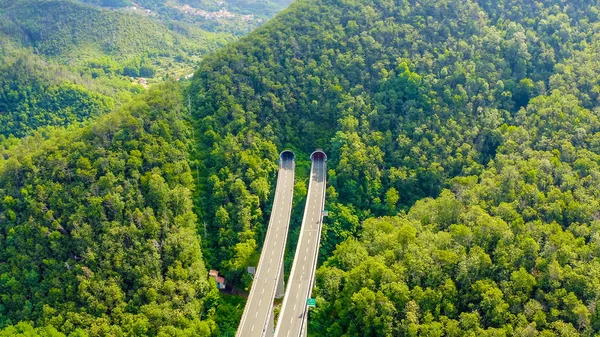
{"points": [[258, 318], [292, 321]]}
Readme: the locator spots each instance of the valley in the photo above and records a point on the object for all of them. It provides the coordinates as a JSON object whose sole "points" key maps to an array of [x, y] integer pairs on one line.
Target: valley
{"points": [[463, 161]]}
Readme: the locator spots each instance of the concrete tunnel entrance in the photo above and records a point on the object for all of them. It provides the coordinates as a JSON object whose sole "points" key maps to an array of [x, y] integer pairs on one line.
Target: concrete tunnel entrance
{"points": [[318, 154], [287, 155]]}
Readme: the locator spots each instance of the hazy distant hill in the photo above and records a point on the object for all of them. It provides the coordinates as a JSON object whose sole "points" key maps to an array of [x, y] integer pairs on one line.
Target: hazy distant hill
{"points": [[107, 45], [63, 61], [72, 32], [262, 8]]}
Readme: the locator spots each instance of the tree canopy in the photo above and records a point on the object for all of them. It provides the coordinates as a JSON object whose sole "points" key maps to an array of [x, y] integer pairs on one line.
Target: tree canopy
{"points": [[489, 108], [97, 232], [463, 139]]}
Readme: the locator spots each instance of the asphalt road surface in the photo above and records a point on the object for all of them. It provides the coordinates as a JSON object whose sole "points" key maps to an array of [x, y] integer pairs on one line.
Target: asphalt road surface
{"points": [[292, 320], [257, 318]]}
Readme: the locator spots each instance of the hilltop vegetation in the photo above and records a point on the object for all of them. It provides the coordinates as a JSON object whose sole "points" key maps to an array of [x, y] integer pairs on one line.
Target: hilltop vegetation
{"points": [[495, 102], [65, 61], [35, 94], [464, 158], [85, 33], [97, 233]]}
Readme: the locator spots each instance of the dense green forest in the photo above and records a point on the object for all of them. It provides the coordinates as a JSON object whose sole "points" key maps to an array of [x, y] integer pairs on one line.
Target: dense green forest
{"points": [[464, 165], [85, 33], [513, 251], [97, 233], [33, 94], [63, 61], [489, 108], [36, 93]]}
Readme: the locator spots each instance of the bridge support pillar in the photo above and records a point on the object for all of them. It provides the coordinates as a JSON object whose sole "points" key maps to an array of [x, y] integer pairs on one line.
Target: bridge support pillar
{"points": [[271, 326], [280, 292]]}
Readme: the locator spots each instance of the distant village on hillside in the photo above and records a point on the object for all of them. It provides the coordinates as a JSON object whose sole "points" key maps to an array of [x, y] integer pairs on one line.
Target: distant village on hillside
{"points": [[220, 14]]}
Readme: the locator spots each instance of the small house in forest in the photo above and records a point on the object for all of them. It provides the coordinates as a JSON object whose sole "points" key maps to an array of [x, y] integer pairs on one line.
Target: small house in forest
{"points": [[219, 280]]}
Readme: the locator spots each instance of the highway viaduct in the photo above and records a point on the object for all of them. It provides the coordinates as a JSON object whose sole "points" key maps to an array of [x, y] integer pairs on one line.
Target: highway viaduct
{"points": [[258, 317]]}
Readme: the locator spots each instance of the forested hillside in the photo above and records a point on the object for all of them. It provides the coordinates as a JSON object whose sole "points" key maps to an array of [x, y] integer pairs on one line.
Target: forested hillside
{"points": [[75, 33], [35, 94], [513, 251], [97, 233], [490, 108], [64, 61], [463, 139]]}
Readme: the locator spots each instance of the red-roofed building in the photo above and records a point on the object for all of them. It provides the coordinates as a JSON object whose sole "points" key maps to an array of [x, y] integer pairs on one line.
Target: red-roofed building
{"points": [[219, 280]]}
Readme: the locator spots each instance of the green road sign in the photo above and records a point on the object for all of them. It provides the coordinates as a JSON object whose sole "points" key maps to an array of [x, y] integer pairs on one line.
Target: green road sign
{"points": [[311, 302]]}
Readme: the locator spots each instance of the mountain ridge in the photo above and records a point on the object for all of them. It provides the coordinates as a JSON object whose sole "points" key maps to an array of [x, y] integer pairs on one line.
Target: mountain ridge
{"points": [[463, 142], [413, 100]]}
